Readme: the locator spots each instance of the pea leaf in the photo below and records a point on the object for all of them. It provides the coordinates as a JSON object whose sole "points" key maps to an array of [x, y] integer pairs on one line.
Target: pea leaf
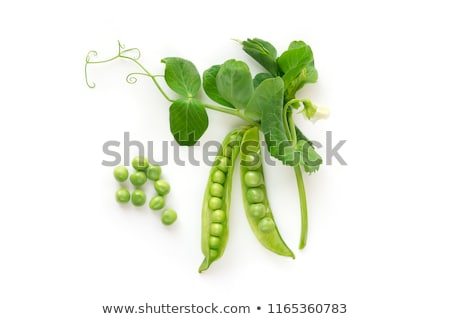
{"points": [[263, 52], [260, 77], [188, 120], [182, 76], [234, 83], [308, 158], [272, 123], [210, 86], [264, 94], [297, 65]]}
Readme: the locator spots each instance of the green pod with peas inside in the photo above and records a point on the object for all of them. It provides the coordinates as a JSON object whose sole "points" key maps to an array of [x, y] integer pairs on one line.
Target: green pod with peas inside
{"points": [[254, 195], [216, 201]]}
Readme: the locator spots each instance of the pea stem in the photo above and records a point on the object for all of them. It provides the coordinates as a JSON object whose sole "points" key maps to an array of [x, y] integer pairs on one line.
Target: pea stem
{"points": [[303, 206], [234, 112]]}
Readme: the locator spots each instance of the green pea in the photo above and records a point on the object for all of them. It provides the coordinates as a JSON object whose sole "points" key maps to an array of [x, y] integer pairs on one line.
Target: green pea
{"points": [[222, 163], [216, 229], [168, 217], [218, 177], [154, 172], [138, 178], [140, 163], [251, 161], [122, 195], [213, 254], [162, 187], [157, 202], [253, 178], [215, 203], [257, 210], [214, 242], [255, 195], [121, 173], [266, 225], [138, 197], [216, 190], [218, 216]]}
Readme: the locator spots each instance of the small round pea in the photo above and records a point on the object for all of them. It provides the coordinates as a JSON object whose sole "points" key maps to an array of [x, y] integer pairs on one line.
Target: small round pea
{"points": [[140, 163], [138, 178], [138, 197], [157, 202], [122, 195], [153, 172], [215, 203], [216, 190], [253, 178], [228, 151], [213, 254], [218, 216], [218, 177], [216, 229], [214, 242], [266, 225], [257, 210], [251, 161], [162, 187], [168, 217], [255, 195], [121, 173], [222, 163]]}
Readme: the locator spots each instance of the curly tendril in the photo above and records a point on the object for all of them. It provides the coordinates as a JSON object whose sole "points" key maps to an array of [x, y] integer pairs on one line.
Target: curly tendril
{"points": [[132, 79]]}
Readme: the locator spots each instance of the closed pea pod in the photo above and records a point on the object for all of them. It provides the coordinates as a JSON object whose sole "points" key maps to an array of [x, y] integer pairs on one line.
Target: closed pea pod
{"points": [[254, 195], [216, 201]]}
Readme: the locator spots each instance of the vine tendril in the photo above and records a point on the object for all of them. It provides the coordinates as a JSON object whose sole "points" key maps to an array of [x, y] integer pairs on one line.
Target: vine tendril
{"points": [[132, 79]]}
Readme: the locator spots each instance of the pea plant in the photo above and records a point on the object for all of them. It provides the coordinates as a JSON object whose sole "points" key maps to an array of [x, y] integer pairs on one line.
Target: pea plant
{"points": [[266, 102]]}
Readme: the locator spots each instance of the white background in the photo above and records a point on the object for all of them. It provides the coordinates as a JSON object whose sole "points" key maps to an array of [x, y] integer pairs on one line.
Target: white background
{"points": [[379, 227]]}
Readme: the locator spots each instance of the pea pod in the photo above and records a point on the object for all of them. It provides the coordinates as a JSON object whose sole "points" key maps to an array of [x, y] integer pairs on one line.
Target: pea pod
{"points": [[216, 201], [254, 195]]}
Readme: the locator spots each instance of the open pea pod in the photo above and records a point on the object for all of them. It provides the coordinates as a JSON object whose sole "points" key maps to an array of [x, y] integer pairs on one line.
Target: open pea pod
{"points": [[254, 195], [217, 198]]}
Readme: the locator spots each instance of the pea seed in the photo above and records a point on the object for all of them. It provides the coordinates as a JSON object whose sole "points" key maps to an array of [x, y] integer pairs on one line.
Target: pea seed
{"points": [[215, 203], [266, 225], [121, 173], [218, 177], [216, 229], [153, 172], [216, 190], [213, 254], [218, 216], [122, 195], [253, 178], [222, 164], [255, 195], [251, 161], [138, 178], [138, 197], [140, 163], [257, 210], [168, 217], [157, 202], [162, 187], [214, 242]]}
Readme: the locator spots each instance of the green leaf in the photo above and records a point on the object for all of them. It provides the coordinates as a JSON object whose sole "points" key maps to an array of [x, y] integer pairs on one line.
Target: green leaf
{"points": [[308, 158], [182, 76], [260, 77], [272, 123], [263, 52], [234, 83], [296, 78], [188, 120], [297, 45], [296, 57], [210, 86], [265, 95]]}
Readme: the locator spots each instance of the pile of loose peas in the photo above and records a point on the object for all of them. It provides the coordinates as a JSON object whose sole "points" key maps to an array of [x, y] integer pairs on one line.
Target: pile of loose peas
{"points": [[144, 171]]}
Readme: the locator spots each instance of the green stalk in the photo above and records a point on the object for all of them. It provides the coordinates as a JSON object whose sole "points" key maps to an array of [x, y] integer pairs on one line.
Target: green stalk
{"points": [[303, 206]]}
